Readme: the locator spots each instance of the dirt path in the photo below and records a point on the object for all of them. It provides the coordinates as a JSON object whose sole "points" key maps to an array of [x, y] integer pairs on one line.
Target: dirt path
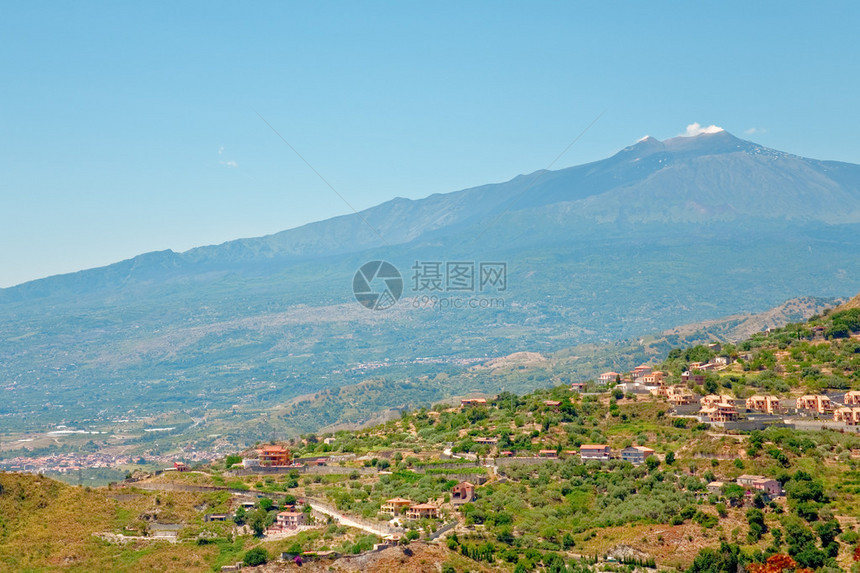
{"points": [[344, 519]]}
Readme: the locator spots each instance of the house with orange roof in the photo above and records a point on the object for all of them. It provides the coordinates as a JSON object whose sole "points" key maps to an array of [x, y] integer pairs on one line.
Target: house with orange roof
{"points": [[600, 452], [395, 505], [679, 395], [608, 377], [849, 416], [817, 403], [274, 456], [640, 371], [636, 455], [767, 404], [713, 400], [719, 412], [422, 511], [653, 379], [290, 519], [463, 492]]}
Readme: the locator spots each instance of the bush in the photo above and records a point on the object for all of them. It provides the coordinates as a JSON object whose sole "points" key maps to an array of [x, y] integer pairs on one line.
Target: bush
{"points": [[256, 556]]}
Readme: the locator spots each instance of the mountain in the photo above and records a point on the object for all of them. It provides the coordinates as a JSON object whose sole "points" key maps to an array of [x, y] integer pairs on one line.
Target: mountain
{"points": [[707, 178], [660, 234]]}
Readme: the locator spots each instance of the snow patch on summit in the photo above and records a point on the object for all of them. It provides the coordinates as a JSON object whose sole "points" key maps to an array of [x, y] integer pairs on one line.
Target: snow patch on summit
{"points": [[695, 129]]}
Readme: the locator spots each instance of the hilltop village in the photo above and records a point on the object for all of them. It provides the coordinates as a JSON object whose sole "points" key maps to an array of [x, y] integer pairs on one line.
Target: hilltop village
{"points": [[718, 456]]}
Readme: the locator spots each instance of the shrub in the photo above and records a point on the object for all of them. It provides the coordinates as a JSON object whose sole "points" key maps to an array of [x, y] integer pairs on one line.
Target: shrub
{"points": [[256, 556]]}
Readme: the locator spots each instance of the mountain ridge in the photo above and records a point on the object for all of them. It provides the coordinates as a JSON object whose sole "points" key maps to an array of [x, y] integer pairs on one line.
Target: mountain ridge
{"points": [[649, 181]]}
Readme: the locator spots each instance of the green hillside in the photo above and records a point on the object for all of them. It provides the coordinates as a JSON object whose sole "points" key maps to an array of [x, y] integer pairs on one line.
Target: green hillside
{"points": [[530, 514], [574, 508]]}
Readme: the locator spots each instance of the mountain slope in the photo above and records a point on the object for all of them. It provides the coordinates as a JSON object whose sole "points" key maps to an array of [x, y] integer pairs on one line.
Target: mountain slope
{"points": [[660, 234], [710, 177]]}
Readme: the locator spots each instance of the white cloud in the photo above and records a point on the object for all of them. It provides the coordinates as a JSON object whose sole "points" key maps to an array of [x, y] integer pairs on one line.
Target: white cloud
{"points": [[230, 163], [754, 130], [695, 129], [220, 150]]}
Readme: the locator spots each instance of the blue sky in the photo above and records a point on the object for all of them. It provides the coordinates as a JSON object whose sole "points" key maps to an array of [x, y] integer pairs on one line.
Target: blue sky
{"points": [[131, 127]]}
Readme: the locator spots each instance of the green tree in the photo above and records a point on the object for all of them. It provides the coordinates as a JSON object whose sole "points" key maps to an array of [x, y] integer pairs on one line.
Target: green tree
{"points": [[733, 492], [652, 462], [257, 520], [827, 532], [723, 560], [256, 556], [755, 518]]}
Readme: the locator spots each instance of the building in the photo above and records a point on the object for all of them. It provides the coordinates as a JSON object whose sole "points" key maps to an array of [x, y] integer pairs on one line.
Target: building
{"points": [[819, 404], [180, 466], [661, 390], [679, 395], [747, 480], [463, 492], [765, 485], [636, 455], [849, 416], [423, 511], [486, 440], [719, 412], [290, 519], [715, 487], [548, 454], [852, 398], [250, 463], [473, 402], [396, 505], [608, 377], [600, 452], [694, 377], [640, 371], [577, 386], [653, 379], [767, 404], [713, 400], [274, 456], [552, 403]]}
